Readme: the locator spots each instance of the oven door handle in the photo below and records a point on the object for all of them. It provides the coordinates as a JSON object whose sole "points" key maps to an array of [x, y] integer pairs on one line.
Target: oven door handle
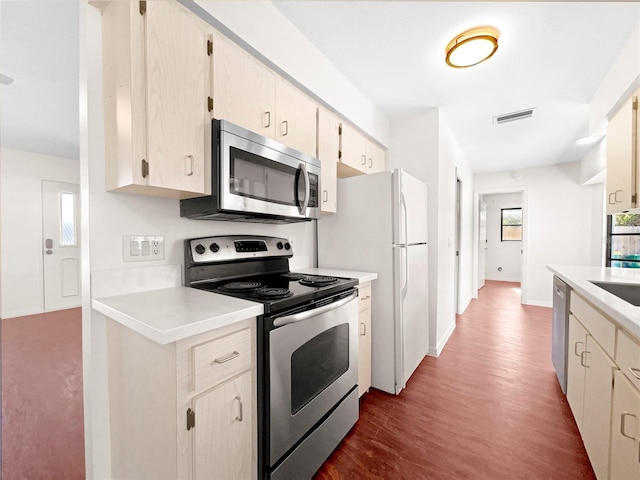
{"points": [[299, 317], [307, 189]]}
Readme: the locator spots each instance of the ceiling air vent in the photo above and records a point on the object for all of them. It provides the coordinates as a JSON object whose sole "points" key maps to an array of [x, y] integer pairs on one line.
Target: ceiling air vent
{"points": [[512, 117]]}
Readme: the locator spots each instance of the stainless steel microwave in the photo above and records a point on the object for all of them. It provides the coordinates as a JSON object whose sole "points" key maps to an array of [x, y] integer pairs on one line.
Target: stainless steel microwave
{"points": [[256, 179]]}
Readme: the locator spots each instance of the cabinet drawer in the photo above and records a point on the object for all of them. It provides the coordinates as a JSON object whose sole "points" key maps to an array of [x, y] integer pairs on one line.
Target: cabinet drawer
{"points": [[601, 329], [628, 357], [364, 294], [221, 358]]}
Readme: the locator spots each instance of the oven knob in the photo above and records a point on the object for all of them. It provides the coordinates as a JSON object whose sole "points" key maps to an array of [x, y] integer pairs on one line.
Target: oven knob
{"points": [[200, 249], [214, 247], [287, 246], [279, 245]]}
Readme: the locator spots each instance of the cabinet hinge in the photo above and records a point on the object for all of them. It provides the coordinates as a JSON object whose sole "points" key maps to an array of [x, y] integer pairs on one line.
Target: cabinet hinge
{"points": [[210, 104], [191, 419], [339, 153], [634, 104], [340, 130], [634, 198], [209, 47], [143, 7], [145, 168]]}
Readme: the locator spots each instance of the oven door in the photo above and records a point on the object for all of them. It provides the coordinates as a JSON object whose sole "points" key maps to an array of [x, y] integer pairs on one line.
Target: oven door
{"points": [[258, 175], [313, 364]]}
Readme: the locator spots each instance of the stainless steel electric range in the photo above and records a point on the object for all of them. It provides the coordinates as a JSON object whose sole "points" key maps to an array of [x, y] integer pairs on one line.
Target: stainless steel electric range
{"points": [[307, 347]]}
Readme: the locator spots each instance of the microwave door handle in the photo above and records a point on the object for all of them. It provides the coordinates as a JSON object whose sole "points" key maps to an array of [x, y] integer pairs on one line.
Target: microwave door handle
{"points": [[307, 189], [299, 317]]}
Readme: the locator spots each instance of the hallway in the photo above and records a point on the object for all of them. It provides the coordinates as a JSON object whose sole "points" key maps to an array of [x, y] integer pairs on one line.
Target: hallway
{"points": [[489, 407]]}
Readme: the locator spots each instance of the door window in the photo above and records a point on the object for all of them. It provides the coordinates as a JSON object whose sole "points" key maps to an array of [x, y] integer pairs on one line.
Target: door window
{"points": [[623, 240], [317, 364], [67, 219]]}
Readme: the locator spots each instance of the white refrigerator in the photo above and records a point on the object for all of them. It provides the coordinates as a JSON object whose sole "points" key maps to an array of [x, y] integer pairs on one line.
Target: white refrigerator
{"points": [[381, 227]]}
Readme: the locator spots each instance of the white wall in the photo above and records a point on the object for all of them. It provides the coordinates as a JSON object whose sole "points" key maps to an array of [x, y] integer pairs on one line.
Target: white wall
{"points": [[21, 176], [423, 145], [563, 222], [499, 254]]}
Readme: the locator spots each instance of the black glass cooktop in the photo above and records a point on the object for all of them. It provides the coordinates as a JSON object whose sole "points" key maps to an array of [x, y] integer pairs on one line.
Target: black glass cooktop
{"points": [[279, 291]]}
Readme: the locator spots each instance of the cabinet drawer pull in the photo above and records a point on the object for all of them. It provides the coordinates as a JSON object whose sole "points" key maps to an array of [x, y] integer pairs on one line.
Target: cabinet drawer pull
{"points": [[189, 166], [284, 128], [227, 358], [622, 424], [583, 361], [362, 299], [635, 372], [363, 329], [364, 159], [325, 196], [575, 349], [239, 416], [266, 119]]}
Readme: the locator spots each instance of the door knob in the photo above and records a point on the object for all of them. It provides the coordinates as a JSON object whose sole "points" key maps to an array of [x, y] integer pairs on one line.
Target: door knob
{"points": [[48, 244]]}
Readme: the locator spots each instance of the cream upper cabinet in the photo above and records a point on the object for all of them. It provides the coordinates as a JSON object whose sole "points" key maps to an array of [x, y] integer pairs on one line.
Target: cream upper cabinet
{"points": [[295, 118], [625, 430], [375, 158], [156, 84], [353, 152], [328, 147], [244, 89], [622, 158]]}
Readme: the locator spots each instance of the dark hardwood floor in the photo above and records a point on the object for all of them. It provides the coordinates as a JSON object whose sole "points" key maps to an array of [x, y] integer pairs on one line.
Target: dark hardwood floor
{"points": [[489, 407]]}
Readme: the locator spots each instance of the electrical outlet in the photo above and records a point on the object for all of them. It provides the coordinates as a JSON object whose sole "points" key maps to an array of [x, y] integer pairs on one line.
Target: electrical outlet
{"points": [[142, 248]]}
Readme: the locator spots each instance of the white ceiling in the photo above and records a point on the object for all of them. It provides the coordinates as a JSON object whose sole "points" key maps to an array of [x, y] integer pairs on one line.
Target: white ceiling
{"points": [[552, 56]]}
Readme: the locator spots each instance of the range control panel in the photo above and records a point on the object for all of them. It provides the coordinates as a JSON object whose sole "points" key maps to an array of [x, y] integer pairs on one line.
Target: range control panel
{"points": [[235, 247]]}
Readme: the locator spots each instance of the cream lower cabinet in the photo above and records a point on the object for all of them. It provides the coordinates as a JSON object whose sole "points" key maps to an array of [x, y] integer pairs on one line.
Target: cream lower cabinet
{"points": [[364, 345], [183, 410], [156, 72], [625, 430]]}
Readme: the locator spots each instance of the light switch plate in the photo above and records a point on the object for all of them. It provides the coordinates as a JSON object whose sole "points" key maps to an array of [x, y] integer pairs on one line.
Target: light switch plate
{"points": [[142, 248]]}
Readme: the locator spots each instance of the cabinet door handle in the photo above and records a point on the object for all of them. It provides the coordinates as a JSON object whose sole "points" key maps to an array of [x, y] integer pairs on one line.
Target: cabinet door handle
{"points": [[227, 358], [616, 195], [325, 196], [284, 128], [583, 361], [189, 166], [266, 119], [239, 416], [635, 372], [575, 349], [622, 424], [363, 329], [370, 162], [612, 202], [364, 159]]}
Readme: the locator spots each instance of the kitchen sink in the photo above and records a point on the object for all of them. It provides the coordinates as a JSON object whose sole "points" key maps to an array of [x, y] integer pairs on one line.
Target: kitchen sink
{"points": [[629, 292]]}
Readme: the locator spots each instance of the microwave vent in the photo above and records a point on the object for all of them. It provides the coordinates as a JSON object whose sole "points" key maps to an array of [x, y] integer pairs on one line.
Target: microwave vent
{"points": [[513, 116]]}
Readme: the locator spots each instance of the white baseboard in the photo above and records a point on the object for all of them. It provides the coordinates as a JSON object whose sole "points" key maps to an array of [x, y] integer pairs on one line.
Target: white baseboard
{"points": [[538, 303], [435, 352], [465, 305], [503, 279], [21, 313]]}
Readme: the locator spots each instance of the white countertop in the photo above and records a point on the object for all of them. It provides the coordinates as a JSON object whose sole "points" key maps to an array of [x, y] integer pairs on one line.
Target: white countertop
{"points": [[578, 278], [171, 314], [363, 277]]}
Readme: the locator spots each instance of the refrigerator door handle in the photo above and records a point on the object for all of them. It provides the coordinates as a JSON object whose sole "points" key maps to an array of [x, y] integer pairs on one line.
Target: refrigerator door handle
{"points": [[403, 205], [405, 282]]}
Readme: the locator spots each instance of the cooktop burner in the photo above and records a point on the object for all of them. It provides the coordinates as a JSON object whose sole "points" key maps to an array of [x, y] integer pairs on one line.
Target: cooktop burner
{"points": [[273, 292], [292, 275], [317, 280], [241, 286]]}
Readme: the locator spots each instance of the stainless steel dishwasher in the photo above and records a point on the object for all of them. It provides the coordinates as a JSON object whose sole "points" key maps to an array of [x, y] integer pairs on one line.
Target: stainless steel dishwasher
{"points": [[560, 330]]}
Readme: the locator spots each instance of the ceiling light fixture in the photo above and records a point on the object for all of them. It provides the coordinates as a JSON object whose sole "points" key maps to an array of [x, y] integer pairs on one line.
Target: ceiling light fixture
{"points": [[472, 47], [588, 140], [5, 80]]}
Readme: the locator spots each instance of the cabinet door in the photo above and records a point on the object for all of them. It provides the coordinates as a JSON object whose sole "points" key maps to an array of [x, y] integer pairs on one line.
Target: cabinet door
{"points": [[625, 430], [576, 345], [364, 346], [295, 118], [622, 158], [177, 72], [222, 435], [243, 88], [375, 158], [353, 152], [598, 391], [328, 147]]}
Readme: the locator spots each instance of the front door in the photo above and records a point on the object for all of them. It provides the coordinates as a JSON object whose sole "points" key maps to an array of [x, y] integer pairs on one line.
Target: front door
{"points": [[60, 245]]}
